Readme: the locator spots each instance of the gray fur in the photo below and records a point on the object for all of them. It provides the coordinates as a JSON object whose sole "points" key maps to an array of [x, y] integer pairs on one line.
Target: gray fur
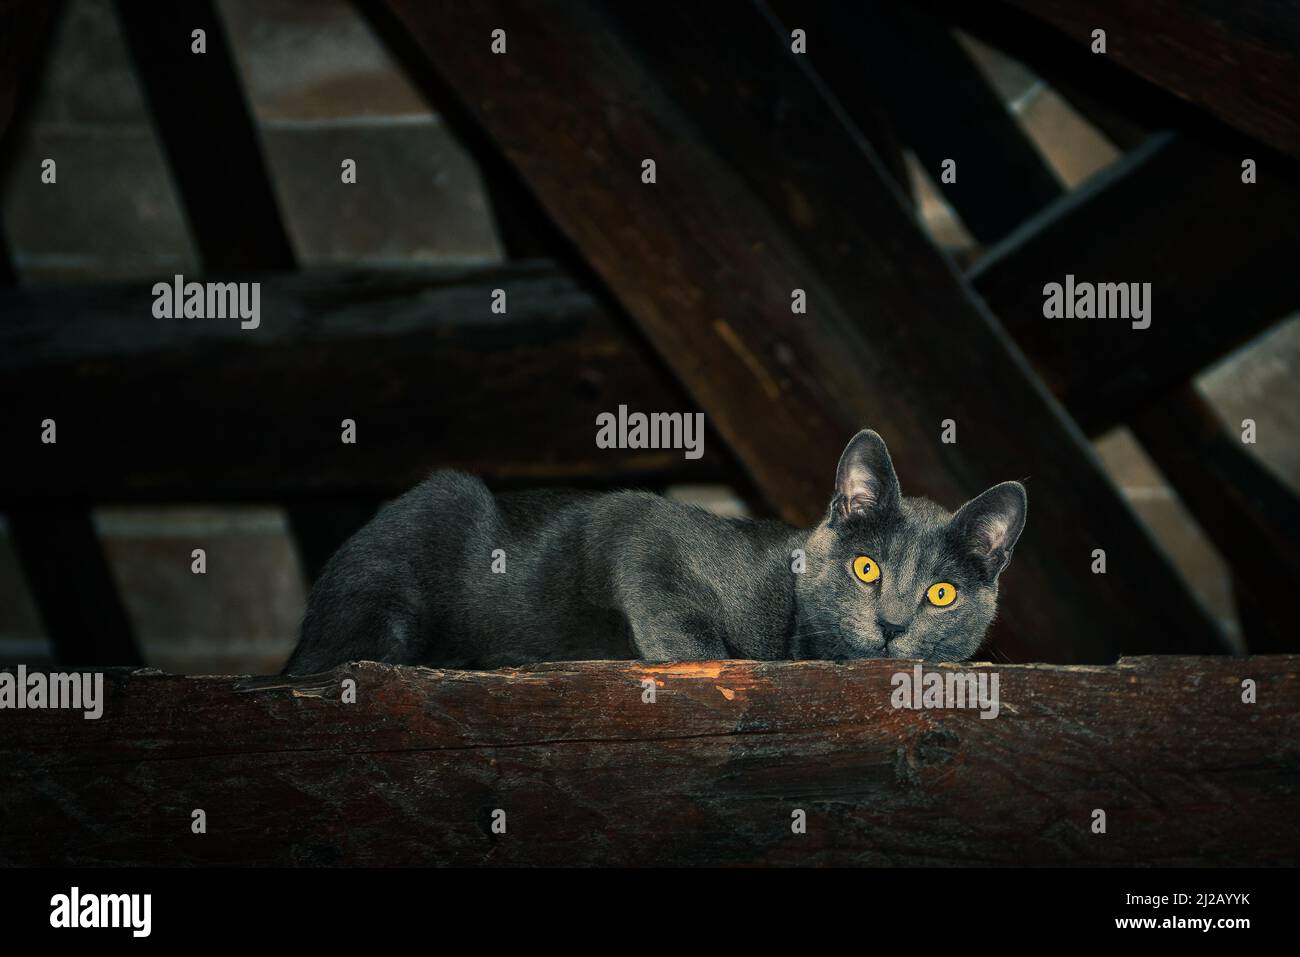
{"points": [[634, 575]]}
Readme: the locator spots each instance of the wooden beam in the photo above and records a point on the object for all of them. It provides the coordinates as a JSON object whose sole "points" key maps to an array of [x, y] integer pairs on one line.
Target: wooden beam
{"points": [[72, 586], [861, 90], [938, 101], [58, 549], [207, 133], [1252, 517], [709, 774], [192, 409], [1238, 60], [763, 188], [1123, 106], [25, 28], [1219, 255], [524, 229]]}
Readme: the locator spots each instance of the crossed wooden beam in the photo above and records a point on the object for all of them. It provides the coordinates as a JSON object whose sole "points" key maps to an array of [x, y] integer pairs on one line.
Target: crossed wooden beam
{"points": [[776, 172]]}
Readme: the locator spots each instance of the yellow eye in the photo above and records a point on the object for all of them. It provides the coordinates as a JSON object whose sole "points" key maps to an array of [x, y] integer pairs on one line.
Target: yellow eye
{"points": [[942, 593], [866, 569]]}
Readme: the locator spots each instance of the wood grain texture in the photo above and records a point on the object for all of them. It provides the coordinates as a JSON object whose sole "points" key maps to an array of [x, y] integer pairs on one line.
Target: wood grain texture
{"points": [[710, 773], [763, 188]]}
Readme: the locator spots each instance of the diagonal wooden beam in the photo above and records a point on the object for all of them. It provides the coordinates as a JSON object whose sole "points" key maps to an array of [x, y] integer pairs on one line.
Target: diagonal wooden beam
{"points": [[58, 549], [1252, 517], [26, 30], [1220, 272], [938, 102], [1219, 255], [763, 188], [1238, 59], [24, 35], [207, 133], [72, 585], [861, 89]]}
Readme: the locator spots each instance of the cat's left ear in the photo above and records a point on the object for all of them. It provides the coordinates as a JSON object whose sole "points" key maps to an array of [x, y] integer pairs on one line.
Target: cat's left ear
{"points": [[989, 525]]}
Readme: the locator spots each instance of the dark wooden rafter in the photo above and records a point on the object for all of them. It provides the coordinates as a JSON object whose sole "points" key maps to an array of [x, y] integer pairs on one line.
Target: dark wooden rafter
{"points": [[525, 230], [938, 102], [1238, 60], [1176, 192], [58, 550], [160, 410], [71, 583], [225, 187], [1252, 517], [1176, 214], [1219, 255], [585, 94], [1119, 103], [25, 28], [860, 87], [709, 774], [207, 134]]}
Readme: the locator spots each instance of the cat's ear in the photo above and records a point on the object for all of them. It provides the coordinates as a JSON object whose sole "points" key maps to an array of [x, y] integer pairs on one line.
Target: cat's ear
{"points": [[989, 525], [865, 483]]}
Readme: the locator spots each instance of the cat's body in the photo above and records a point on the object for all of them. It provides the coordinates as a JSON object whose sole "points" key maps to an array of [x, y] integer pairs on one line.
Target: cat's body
{"points": [[451, 575]]}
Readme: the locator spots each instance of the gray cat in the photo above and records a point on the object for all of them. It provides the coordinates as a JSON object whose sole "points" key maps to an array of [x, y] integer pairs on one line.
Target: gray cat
{"points": [[449, 575]]}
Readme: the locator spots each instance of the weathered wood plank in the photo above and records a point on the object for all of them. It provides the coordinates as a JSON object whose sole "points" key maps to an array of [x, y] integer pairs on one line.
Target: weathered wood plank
{"points": [[708, 774], [191, 409], [1238, 60], [762, 188]]}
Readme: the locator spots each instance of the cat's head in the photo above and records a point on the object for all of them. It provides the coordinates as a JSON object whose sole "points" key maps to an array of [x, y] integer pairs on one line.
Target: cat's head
{"points": [[895, 577]]}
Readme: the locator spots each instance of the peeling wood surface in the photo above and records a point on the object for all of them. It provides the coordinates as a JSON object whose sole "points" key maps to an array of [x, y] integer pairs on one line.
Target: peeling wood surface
{"points": [[710, 773]]}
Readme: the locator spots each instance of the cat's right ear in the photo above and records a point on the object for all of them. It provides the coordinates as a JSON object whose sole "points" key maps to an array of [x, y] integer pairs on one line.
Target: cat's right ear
{"points": [[865, 483]]}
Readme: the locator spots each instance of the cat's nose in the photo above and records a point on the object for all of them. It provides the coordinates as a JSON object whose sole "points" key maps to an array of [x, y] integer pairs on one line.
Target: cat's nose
{"points": [[889, 630]]}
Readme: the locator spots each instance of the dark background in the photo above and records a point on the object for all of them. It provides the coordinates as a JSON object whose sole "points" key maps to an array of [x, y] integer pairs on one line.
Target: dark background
{"points": [[320, 83]]}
